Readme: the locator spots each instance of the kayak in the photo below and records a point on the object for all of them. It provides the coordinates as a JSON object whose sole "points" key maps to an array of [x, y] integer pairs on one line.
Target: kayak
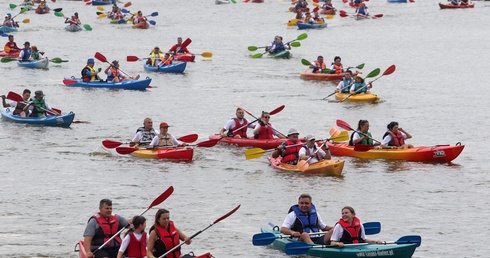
{"points": [[222, 2], [61, 121], [363, 97], [173, 68], [324, 76], [257, 1], [438, 153], [141, 25], [184, 57], [9, 54], [284, 54], [126, 85], [118, 21], [73, 28], [7, 29], [179, 153], [37, 64], [348, 251], [95, 2], [327, 12], [82, 254], [397, 1], [42, 11], [324, 167], [452, 6], [248, 142], [305, 26]]}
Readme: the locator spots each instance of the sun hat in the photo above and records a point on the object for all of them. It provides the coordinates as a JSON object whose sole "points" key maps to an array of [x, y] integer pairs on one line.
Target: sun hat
{"points": [[292, 131], [310, 137]]}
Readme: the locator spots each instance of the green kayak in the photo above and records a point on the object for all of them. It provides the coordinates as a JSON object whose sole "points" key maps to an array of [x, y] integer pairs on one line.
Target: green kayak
{"points": [[283, 54]]}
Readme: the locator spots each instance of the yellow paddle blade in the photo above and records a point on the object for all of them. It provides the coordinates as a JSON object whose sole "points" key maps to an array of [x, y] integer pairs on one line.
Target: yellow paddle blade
{"points": [[207, 54], [6, 49], [330, 16], [100, 8], [26, 20], [334, 132], [315, 4], [343, 136], [254, 153], [291, 9], [303, 165], [321, 21], [102, 15]]}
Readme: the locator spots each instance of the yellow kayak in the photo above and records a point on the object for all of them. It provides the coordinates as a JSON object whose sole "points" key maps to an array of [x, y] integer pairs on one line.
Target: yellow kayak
{"points": [[363, 97], [325, 167]]}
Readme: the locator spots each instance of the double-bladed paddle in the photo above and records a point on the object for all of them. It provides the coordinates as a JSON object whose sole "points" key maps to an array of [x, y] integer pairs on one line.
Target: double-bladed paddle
{"points": [[22, 10], [57, 60], [113, 144], [199, 232], [273, 112], [303, 165], [60, 14], [344, 125], [103, 59], [300, 37], [373, 73], [388, 71]]}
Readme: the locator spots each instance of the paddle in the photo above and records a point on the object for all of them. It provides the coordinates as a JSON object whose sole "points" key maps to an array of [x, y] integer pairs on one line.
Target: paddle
{"points": [[346, 126], [57, 60], [308, 63], [300, 37], [373, 73], [370, 228], [388, 71], [22, 10], [204, 144], [273, 112], [103, 59], [113, 144], [155, 202], [303, 165], [18, 98], [199, 232], [60, 14]]}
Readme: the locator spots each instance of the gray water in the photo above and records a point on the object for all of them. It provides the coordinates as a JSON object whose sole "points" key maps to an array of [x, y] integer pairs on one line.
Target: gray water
{"points": [[53, 178]]}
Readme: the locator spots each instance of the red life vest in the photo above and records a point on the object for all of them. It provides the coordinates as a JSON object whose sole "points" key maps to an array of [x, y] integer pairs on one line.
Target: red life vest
{"points": [[319, 67], [352, 232], [338, 68], [169, 238], [396, 139], [109, 227], [242, 132], [290, 155], [265, 132], [136, 248]]}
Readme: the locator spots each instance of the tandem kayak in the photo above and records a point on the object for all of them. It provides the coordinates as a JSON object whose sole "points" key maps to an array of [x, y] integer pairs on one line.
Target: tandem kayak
{"points": [[173, 68], [141, 25], [9, 54], [73, 28], [324, 167], [249, 142], [36, 64], [125, 85], [438, 153], [305, 26], [284, 54], [7, 29], [404, 250], [61, 121], [452, 6], [184, 57], [363, 97], [324, 76]]}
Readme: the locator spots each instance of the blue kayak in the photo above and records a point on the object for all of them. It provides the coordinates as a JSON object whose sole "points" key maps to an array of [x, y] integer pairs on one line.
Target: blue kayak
{"points": [[304, 26], [36, 64], [397, 1], [126, 85], [173, 68], [61, 121], [102, 2]]}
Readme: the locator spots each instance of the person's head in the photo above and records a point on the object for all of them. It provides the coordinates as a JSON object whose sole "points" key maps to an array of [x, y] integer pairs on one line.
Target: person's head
{"points": [[293, 134], [9, 15], [240, 114], [34, 49], [26, 94], [265, 117], [319, 59], [148, 123], [362, 5], [105, 208], [348, 74], [162, 217], [139, 221], [90, 62], [279, 39], [348, 214], [310, 140], [363, 126], [39, 95], [156, 50], [179, 40], [358, 79], [304, 202], [11, 38], [337, 60], [115, 64], [393, 127], [164, 127], [76, 15], [167, 55], [27, 44], [140, 13]]}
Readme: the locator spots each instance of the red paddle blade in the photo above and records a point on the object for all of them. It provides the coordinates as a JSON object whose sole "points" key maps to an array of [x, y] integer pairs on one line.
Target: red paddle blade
{"points": [[188, 138], [316, 9], [277, 110], [390, 70], [344, 125], [132, 58], [100, 57], [162, 197], [111, 144], [343, 14], [57, 110], [208, 143], [186, 42], [226, 215], [128, 4], [126, 150], [362, 147], [14, 96], [69, 82], [378, 15], [88, 3]]}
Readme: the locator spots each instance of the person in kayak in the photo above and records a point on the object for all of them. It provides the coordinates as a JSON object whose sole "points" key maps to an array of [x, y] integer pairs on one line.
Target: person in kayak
{"points": [[89, 74], [364, 137], [100, 228], [395, 137], [337, 67], [25, 53], [155, 55], [139, 18], [164, 138], [319, 65], [309, 150], [144, 135], [349, 230], [35, 54], [236, 127], [9, 21], [39, 105], [279, 46], [265, 130], [11, 46], [43, 6], [115, 75], [134, 243], [328, 5], [178, 48], [267, 48], [289, 149], [303, 219], [18, 106], [74, 20], [164, 236], [166, 60], [362, 10], [359, 86], [300, 5], [346, 83]]}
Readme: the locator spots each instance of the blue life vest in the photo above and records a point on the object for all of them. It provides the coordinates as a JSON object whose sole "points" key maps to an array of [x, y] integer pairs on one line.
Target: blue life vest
{"points": [[26, 55], [279, 48], [362, 10], [305, 222]]}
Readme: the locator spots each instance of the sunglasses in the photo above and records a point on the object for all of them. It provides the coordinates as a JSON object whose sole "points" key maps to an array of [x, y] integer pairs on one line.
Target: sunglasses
{"points": [[267, 117]]}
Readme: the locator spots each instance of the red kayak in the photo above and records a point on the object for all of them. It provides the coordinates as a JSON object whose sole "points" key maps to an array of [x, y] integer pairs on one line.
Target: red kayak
{"points": [[10, 54], [453, 6], [185, 57], [249, 142]]}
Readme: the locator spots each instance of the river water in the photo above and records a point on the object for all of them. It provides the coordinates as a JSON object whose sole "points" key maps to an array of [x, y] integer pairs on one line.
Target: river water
{"points": [[53, 178]]}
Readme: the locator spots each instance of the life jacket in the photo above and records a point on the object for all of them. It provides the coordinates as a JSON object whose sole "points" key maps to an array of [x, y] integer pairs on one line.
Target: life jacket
{"points": [[85, 76], [265, 132], [305, 222], [166, 62], [140, 19], [359, 86], [19, 107], [11, 47], [107, 229], [396, 139], [169, 238], [165, 140], [26, 54], [118, 15], [346, 88], [338, 68], [35, 55], [114, 73], [137, 248], [352, 232], [362, 11], [147, 136], [318, 155], [39, 108], [242, 132], [363, 141], [319, 67], [290, 155], [279, 48], [154, 56]]}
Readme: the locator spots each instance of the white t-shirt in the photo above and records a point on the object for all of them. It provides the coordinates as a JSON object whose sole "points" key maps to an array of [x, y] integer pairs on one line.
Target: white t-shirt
{"points": [[388, 138], [231, 123], [338, 230], [291, 218], [127, 239], [312, 150]]}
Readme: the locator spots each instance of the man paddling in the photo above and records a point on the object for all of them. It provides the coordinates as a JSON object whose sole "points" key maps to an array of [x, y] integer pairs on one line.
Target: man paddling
{"points": [[289, 153], [311, 152], [178, 48], [164, 139], [236, 127], [18, 106], [11, 46], [144, 135]]}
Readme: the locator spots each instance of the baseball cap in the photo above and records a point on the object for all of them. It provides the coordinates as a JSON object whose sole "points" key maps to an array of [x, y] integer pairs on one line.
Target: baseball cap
{"points": [[292, 131], [164, 124]]}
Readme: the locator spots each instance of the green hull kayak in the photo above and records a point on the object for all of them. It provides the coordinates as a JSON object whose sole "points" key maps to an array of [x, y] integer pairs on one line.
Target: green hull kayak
{"points": [[283, 54]]}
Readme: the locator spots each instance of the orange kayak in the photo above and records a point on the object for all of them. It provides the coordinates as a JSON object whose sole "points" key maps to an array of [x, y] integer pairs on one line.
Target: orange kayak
{"points": [[141, 25], [325, 167]]}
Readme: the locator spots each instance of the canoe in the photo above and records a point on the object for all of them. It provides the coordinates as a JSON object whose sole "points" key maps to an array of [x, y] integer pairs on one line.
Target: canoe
{"points": [[327, 12], [9, 54], [60, 121], [305, 26], [177, 153], [42, 11], [141, 25], [438, 153], [357, 97], [324, 76], [126, 85], [95, 2], [324, 167], [7, 29], [397, 1], [36, 64], [184, 57], [248, 142], [284, 54], [350, 251], [222, 1], [452, 6], [73, 28], [173, 68]]}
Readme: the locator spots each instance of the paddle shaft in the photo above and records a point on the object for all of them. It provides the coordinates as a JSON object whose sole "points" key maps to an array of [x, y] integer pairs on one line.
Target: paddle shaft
{"points": [[257, 119]]}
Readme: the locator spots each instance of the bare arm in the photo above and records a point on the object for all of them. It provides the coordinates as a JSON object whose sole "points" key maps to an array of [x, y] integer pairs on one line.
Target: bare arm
{"points": [[184, 237], [151, 243], [87, 242]]}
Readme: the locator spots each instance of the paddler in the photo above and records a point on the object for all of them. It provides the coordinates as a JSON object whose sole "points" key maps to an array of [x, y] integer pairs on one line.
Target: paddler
{"points": [[312, 152], [18, 106], [362, 10], [346, 83], [155, 55], [318, 65], [279, 46], [349, 230], [11, 46], [89, 74], [395, 137], [39, 105], [236, 127], [178, 48], [364, 136], [164, 139], [139, 18], [265, 130], [289, 153], [337, 66], [144, 135]]}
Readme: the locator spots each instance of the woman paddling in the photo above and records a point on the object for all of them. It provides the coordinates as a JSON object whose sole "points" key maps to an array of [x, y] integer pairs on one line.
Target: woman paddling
{"points": [[164, 236], [349, 230]]}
